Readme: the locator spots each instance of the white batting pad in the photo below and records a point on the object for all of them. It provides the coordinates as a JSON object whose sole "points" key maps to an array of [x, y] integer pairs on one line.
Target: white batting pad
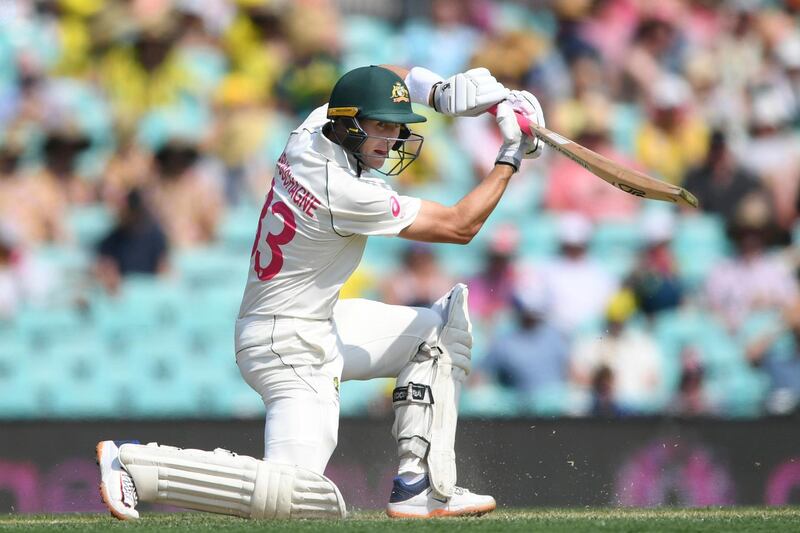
{"points": [[426, 397], [226, 483]]}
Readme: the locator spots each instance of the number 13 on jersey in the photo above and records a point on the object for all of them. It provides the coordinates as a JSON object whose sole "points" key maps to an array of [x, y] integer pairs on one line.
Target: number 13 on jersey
{"points": [[273, 241]]}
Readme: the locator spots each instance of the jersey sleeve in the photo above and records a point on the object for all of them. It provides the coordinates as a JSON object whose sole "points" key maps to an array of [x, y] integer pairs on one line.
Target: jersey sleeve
{"points": [[369, 207]]}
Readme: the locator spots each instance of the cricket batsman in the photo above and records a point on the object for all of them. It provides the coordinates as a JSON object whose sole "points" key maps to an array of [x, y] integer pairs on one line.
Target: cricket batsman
{"points": [[295, 340]]}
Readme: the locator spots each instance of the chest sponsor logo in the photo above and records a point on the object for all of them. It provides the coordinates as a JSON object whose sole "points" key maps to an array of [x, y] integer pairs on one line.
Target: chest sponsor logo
{"points": [[394, 205]]}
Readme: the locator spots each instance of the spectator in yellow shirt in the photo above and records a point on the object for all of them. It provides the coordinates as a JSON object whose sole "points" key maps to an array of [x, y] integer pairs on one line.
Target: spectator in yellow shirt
{"points": [[674, 138]]}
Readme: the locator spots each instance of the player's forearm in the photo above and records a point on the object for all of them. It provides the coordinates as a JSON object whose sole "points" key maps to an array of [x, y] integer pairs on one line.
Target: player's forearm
{"points": [[473, 210]]}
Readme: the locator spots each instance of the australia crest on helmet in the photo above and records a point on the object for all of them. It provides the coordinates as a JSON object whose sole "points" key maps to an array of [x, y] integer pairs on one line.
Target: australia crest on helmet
{"points": [[399, 93]]}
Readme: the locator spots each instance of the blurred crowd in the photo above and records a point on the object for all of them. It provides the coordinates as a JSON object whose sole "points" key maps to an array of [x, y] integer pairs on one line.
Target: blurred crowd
{"points": [[170, 114]]}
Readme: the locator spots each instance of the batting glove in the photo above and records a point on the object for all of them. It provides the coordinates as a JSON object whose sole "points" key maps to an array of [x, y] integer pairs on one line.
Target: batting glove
{"points": [[511, 152], [468, 94], [526, 104]]}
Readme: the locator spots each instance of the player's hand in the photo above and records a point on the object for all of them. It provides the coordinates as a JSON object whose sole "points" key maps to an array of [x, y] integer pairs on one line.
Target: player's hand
{"points": [[511, 152], [468, 94], [525, 103]]}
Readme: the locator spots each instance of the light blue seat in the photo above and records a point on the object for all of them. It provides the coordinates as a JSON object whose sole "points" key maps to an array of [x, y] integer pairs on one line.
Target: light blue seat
{"points": [[460, 262], [77, 380], [144, 304], [699, 243], [489, 400], [673, 330], [796, 233], [164, 399], [741, 392], [218, 388], [41, 328], [70, 262], [206, 266], [520, 200], [625, 124], [539, 236], [209, 336], [90, 223], [695, 268], [759, 323], [214, 303], [207, 66], [481, 340], [182, 379], [722, 355], [384, 254], [226, 399], [355, 396], [446, 194], [186, 119], [366, 41], [237, 230], [548, 401], [17, 399], [63, 257], [163, 384], [616, 245]]}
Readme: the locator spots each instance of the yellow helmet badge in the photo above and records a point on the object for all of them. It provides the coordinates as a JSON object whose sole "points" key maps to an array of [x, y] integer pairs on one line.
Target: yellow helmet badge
{"points": [[399, 93]]}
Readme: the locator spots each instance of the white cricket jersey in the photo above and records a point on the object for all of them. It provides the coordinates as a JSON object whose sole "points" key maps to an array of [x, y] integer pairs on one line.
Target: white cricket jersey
{"points": [[314, 226]]}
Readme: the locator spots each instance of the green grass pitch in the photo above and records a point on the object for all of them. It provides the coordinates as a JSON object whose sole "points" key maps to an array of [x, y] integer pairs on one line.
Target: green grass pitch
{"points": [[522, 520]]}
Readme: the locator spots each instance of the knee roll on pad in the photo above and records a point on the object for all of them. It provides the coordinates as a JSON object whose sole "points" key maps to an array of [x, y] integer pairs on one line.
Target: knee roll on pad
{"points": [[227, 483]]}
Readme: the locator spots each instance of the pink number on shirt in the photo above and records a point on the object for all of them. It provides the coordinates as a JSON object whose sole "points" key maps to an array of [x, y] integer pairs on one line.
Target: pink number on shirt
{"points": [[274, 240]]}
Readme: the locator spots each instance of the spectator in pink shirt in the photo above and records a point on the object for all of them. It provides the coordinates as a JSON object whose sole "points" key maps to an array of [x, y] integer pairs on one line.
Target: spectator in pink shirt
{"points": [[491, 289], [572, 188]]}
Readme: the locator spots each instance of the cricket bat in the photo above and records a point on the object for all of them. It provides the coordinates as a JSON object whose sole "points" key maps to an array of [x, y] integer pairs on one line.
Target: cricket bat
{"points": [[623, 178]]}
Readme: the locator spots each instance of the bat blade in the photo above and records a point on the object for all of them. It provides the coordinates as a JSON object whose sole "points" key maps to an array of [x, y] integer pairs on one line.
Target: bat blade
{"points": [[625, 179]]}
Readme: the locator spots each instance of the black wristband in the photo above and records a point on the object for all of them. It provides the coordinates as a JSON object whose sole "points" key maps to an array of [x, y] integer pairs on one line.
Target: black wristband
{"points": [[436, 86], [512, 165]]}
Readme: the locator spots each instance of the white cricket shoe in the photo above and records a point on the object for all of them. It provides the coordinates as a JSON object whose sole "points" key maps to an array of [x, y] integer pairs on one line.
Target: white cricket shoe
{"points": [[417, 500], [116, 485]]}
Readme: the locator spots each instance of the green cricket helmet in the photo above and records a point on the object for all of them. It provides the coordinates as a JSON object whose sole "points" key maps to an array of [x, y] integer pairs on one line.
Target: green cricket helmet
{"points": [[375, 93]]}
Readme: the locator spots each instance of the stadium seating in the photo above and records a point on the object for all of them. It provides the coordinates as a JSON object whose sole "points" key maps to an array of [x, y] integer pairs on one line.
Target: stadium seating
{"points": [[89, 223], [17, 399], [490, 400], [615, 245], [699, 243], [239, 77], [238, 229]]}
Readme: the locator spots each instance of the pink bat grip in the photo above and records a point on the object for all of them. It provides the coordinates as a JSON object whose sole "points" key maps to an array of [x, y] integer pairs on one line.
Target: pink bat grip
{"points": [[522, 120]]}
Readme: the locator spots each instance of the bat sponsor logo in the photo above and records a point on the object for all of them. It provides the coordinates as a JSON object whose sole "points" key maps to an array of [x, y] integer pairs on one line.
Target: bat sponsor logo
{"points": [[630, 190]]}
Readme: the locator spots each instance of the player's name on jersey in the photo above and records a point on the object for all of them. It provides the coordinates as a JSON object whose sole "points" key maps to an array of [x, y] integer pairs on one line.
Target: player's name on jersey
{"points": [[300, 196]]}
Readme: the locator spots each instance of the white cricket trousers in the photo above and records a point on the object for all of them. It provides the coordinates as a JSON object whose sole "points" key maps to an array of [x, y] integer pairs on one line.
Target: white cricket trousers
{"points": [[296, 366]]}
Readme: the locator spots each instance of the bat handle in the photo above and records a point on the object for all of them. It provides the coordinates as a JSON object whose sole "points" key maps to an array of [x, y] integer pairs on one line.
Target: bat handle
{"points": [[522, 120]]}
